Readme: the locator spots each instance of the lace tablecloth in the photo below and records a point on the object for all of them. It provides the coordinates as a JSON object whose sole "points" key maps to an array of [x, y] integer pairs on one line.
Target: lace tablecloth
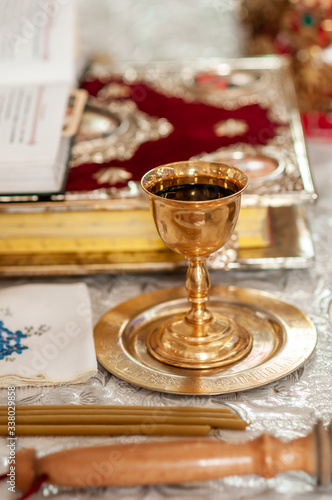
{"points": [[287, 408]]}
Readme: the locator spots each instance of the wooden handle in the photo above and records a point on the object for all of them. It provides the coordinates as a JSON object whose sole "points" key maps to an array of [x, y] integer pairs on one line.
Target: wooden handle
{"points": [[166, 462]]}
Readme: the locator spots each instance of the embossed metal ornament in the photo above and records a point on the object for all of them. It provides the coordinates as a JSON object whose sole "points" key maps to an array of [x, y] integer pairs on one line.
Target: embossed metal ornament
{"points": [[230, 128], [232, 84], [112, 175], [284, 337], [114, 91], [261, 163], [114, 130]]}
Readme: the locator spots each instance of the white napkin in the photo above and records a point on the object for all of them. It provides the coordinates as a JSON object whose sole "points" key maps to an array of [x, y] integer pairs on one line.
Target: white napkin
{"points": [[46, 335]]}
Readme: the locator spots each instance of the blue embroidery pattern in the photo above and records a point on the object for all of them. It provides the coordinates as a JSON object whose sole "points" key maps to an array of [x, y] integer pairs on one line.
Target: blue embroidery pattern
{"points": [[10, 342]]}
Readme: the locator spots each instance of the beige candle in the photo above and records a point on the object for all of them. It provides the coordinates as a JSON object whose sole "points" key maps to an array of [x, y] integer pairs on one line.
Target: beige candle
{"points": [[108, 430], [222, 423], [146, 409]]}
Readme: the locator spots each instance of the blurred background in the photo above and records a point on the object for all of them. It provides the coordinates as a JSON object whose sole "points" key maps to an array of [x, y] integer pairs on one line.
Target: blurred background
{"points": [[156, 29], [179, 30]]}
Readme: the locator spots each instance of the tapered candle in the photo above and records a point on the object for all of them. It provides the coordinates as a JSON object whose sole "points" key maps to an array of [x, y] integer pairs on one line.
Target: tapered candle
{"points": [[110, 430], [162, 412], [121, 407], [125, 420], [140, 413]]}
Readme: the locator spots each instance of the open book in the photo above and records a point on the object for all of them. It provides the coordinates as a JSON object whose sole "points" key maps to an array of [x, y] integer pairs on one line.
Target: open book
{"points": [[37, 74]]}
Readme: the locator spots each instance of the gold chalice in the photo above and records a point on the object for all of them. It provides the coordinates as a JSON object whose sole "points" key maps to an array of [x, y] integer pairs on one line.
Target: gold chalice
{"points": [[195, 206]]}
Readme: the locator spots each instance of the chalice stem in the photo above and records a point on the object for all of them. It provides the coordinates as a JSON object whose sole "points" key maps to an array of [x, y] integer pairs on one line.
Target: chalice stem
{"points": [[198, 286]]}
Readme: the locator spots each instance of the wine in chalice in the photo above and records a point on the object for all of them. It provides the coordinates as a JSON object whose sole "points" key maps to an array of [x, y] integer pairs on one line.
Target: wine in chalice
{"points": [[195, 206]]}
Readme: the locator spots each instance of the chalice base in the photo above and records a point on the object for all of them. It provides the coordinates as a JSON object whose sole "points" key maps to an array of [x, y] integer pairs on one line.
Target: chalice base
{"points": [[219, 342]]}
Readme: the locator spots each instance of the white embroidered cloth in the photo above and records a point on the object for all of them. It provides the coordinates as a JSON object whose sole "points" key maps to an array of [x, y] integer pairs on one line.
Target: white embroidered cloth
{"points": [[46, 334]]}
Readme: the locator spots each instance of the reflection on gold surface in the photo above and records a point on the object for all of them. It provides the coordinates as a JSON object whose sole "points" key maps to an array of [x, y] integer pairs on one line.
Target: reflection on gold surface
{"points": [[195, 229], [283, 339]]}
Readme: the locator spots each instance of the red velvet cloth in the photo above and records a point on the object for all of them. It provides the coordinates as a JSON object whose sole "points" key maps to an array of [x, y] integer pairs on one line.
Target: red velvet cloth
{"points": [[193, 133]]}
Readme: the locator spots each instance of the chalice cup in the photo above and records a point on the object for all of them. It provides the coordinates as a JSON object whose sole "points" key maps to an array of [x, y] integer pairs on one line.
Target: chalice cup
{"points": [[195, 206]]}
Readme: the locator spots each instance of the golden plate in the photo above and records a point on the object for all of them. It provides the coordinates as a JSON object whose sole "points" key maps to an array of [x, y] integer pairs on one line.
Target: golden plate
{"points": [[284, 337]]}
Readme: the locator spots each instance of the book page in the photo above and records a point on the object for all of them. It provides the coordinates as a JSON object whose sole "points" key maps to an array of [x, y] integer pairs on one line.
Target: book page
{"points": [[31, 118], [35, 179], [36, 40], [36, 76]]}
